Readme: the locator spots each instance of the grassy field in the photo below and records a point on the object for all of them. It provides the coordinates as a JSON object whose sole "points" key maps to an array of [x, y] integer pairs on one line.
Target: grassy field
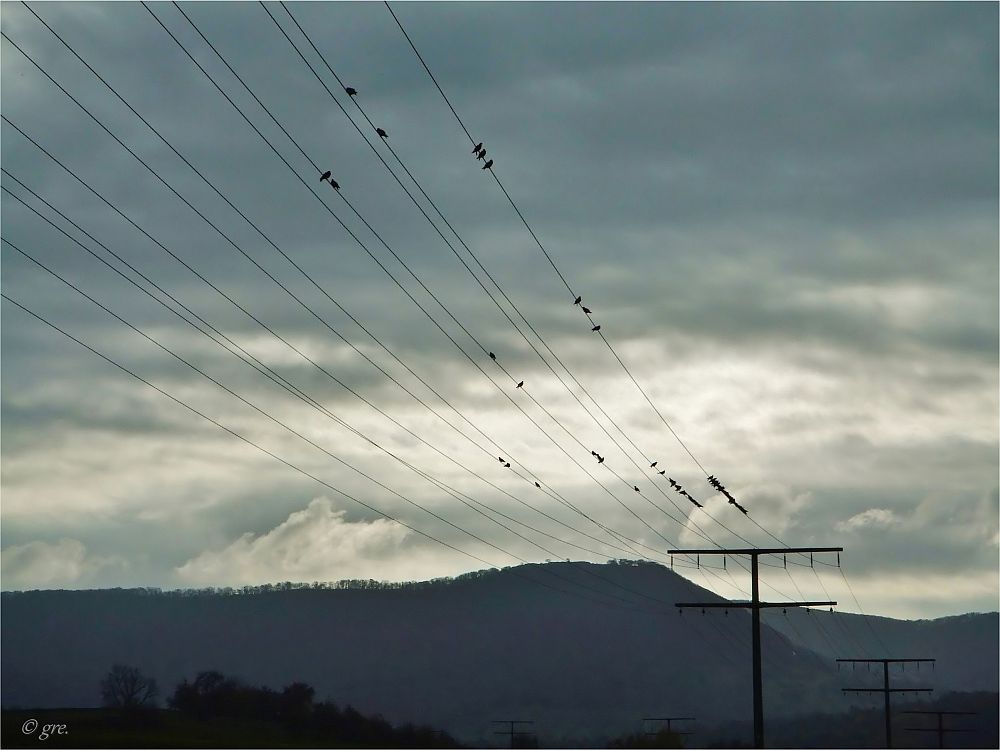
{"points": [[99, 728]]}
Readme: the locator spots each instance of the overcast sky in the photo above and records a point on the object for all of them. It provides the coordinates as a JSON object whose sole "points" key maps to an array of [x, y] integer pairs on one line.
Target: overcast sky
{"points": [[783, 216]]}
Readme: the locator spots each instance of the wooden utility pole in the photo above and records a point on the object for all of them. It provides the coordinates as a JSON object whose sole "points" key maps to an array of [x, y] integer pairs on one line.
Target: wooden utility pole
{"points": [[941, 730], [755, 605], [511, 731], [885, 689], [668, 720]]}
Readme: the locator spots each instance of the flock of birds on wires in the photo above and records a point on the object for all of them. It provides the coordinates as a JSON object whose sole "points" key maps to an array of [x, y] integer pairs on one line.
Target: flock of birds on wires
{"points": [[479, 151], [619, 540]]}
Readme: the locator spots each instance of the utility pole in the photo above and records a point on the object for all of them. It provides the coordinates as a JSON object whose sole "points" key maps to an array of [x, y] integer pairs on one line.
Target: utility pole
{"points": [[940, 723], [885, 689], [511, 731], [755, 605], [668, 720]]}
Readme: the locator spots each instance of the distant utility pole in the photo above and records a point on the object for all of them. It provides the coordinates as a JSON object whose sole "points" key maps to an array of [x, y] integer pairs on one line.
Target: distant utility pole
{"points": [[668, 720], [940, 723], [885, 689], [511, 731], [755, 605]]}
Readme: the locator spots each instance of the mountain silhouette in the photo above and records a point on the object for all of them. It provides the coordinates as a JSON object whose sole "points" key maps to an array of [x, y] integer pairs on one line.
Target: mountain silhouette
{"points": [[459, 653]]}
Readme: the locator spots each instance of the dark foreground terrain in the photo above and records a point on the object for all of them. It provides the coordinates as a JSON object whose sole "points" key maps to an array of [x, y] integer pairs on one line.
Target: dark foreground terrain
{"points": [[458, 654]]}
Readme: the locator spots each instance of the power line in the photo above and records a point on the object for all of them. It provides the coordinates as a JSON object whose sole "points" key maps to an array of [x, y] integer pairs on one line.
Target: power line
{"points": [[263, 369], [222, 234], [399, 284], [301, 150], [531, 344], [569, 288], [297, 468], [214, 227]]}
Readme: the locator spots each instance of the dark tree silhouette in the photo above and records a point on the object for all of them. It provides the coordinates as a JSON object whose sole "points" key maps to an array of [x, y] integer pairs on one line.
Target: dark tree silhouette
{"points": [[128, 689]]}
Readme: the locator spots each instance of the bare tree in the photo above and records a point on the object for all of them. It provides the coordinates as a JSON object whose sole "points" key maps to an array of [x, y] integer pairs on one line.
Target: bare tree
{"points": [[128, 688]]}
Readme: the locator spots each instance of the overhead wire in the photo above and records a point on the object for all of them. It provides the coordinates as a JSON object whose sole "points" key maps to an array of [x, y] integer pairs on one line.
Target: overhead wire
{"points": [[396, 281], [209, 222], [324, 59], [327, 452], [569, 288]]}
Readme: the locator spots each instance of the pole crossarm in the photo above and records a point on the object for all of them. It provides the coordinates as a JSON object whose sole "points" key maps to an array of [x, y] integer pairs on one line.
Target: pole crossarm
{"points": [[885, 689], [885, 661], [943, 713], [752, 605], [754, 551], [940, 730], [755, 605]]}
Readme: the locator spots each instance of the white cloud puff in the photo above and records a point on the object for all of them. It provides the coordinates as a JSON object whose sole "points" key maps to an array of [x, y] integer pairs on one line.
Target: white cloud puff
{"points": [[877, 518], [315, 543], [44, 565]]}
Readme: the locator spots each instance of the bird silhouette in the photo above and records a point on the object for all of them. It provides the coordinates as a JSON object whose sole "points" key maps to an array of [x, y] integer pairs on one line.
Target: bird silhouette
{"points": [[538, 485], [507, 465], [635, 488], [488, 164], [478, 146], [521, 384], [697, 504], [600, 459], [595, 328], [586, 309], [325, 176], [593, 453], [493, 356], [663, 472], [578, 300], [334, 184], [351, 91], [481, 154], [382, 133], [500, 459], [653, 465]]}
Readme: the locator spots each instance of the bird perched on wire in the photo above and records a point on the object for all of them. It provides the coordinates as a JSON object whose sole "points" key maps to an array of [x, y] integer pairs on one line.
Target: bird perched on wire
{"points": [[477, 148], [334, 184], [653, 465], [481, 155], [488, 164], [663, 472], [500, 459], [538, 485], [600, 459], [493, 356], [325, 175], [521, 384], [351, 91], [595, 329], [635, 488], [578, 300], [586, 309], [381, 133], [507, 465]]}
